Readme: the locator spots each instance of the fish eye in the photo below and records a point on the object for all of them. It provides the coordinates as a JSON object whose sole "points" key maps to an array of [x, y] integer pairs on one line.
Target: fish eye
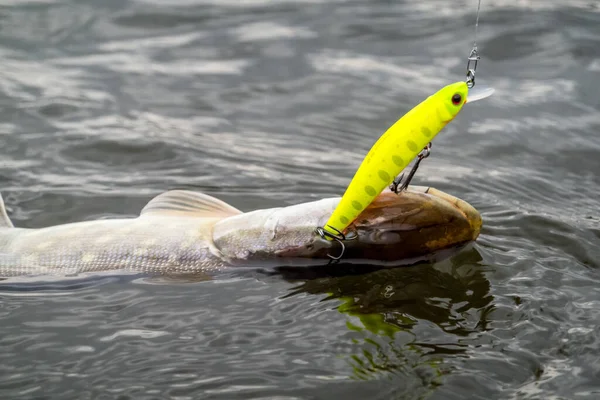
{"points": [[456, 99]]}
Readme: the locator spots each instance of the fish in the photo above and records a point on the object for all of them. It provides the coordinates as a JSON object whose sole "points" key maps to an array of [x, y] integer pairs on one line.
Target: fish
{"points": [[182, 232], [395, 149]]}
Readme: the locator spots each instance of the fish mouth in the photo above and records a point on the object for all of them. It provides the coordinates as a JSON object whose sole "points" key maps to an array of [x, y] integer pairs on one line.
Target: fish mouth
{"points": [[413, 225]]}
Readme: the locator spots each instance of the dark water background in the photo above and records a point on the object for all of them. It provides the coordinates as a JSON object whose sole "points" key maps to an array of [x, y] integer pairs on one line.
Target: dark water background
{"points": [[106, 103]]}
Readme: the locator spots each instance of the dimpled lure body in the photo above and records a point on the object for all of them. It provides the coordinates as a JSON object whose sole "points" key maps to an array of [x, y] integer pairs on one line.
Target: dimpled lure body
{"points": [[395, 149]]}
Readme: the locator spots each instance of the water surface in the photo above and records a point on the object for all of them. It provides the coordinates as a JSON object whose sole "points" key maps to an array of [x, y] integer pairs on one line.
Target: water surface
{"points": [[104, 104]]}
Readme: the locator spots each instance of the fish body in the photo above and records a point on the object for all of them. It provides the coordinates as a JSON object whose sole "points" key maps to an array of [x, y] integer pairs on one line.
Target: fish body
{"points": [[182, 232], [395, 149], [146, 244]]}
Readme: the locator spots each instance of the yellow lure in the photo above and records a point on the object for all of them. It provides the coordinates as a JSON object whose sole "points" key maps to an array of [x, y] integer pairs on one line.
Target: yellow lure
{"points": [[395, 149]]}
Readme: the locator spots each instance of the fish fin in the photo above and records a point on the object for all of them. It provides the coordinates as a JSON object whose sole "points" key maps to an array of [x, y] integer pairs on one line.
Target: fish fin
{"points": [[185, 202], [5, 222]]}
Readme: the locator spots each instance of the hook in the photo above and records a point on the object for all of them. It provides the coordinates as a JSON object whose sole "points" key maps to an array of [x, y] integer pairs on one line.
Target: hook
{"points": [[340, 237], [399, 184]]}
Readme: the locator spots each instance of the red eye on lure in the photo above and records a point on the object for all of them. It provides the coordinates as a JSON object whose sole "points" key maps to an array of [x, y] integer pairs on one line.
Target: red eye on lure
{"points": [[456, 99]]}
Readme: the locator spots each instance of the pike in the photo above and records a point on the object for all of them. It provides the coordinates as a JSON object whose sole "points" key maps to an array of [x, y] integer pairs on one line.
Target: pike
{"points": [[185, 232]]}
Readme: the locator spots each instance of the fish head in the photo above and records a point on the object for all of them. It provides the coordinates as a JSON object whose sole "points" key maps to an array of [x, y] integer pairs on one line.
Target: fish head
{"points": [[418, 224], [450, 100]]}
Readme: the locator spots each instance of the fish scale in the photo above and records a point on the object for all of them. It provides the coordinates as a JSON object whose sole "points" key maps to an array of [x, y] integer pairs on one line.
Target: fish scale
{"points": [[177, 232], [110, 244]]}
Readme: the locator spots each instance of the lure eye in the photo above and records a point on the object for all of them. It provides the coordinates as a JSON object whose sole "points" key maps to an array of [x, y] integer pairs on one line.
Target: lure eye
{"points": [[456, 99]]}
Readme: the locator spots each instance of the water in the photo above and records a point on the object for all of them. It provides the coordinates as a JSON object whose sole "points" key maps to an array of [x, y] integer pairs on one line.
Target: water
{"points": [[104, 104]]}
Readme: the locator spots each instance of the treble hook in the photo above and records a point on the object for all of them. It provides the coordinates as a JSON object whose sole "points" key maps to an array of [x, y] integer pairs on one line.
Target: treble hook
{"points": [[395, 186], [340, 237]]}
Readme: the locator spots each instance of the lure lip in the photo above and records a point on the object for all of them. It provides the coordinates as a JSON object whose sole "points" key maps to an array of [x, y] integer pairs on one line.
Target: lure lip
{"points": [[479, 93]]}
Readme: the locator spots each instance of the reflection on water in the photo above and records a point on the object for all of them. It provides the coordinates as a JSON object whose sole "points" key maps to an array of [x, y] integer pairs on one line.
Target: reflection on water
{"points": [[387, 307]]}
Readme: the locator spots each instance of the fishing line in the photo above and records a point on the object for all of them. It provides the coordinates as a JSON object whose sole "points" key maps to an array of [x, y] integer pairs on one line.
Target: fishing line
{"points": [[474, 55], [477, 24]]}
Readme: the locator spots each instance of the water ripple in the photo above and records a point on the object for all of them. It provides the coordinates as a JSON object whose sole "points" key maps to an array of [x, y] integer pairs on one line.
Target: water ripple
{"points": [[267, 103]]}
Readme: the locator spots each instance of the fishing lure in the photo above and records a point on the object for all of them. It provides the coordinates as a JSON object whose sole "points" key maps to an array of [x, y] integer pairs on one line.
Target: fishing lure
{"points": [[399, 145], [394, 150]]}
